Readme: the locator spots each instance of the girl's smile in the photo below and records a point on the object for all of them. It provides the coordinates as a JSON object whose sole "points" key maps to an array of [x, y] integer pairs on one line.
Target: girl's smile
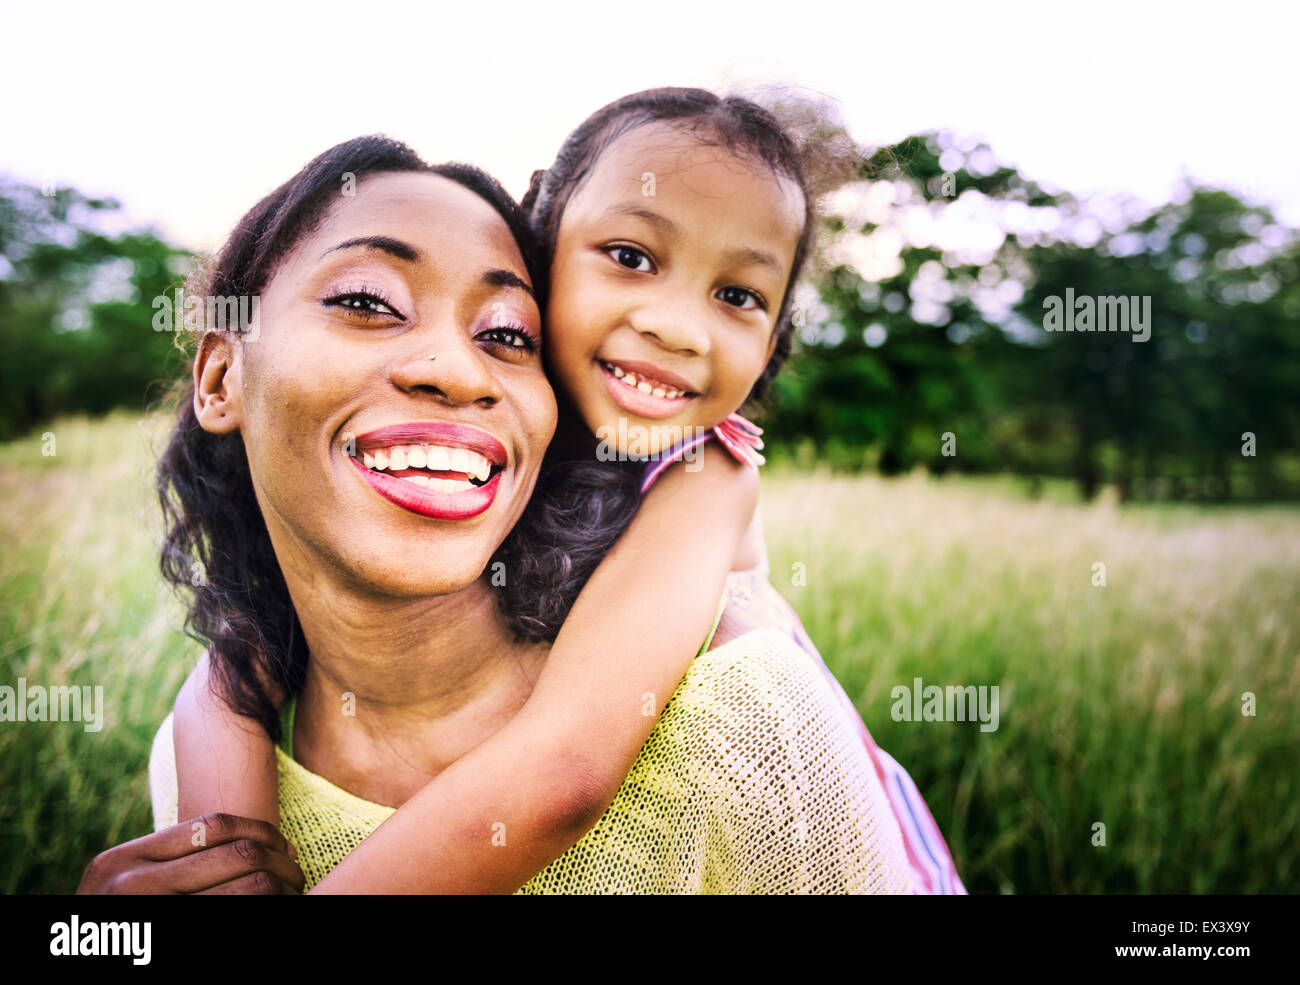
{"points": [[645, 391]]}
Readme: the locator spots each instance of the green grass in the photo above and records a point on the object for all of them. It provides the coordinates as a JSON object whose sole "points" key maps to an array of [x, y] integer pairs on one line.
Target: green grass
{"points": [[1119, 704]]}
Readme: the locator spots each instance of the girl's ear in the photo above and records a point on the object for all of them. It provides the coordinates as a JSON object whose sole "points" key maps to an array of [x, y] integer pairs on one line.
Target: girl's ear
{"points": [[217, 384]]}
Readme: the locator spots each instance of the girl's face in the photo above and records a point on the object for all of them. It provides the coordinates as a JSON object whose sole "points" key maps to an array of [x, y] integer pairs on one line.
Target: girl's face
{"points": [[393, 407], [670, 267]]}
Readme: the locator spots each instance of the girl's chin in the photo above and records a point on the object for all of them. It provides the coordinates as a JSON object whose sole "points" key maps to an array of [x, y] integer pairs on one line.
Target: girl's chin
{"points": [[627, 436]]}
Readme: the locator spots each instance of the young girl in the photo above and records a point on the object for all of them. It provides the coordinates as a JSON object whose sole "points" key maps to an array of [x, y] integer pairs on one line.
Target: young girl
{"points": [[676, 224]]}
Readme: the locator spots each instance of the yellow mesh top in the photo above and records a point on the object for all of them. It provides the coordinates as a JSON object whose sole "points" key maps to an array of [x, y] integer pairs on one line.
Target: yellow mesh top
{"points": [[753, 781]]}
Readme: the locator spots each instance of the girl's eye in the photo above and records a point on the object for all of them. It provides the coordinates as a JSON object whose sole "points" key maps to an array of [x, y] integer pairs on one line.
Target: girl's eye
{"points": [[362, 304], [630, 257], [512, 340], [740, 296]]}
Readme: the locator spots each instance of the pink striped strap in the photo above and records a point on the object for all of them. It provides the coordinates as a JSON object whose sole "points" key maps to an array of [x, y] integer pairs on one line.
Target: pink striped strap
{"points": [[737, 435]]}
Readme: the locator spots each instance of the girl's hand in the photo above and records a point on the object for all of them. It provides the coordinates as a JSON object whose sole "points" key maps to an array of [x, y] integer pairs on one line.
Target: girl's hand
{"points": [[214, 853]]}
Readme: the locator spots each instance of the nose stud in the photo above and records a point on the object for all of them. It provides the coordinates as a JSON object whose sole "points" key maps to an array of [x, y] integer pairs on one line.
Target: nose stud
{"points": [[433, 357]]}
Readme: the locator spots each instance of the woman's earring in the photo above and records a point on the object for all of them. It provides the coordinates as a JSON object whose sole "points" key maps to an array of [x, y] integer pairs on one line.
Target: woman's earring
{"points": [[433, 357]]}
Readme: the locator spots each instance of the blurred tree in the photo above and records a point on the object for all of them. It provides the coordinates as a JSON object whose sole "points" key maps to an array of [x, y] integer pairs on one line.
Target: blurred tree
{"points": [[76, 307], [925, 347]]}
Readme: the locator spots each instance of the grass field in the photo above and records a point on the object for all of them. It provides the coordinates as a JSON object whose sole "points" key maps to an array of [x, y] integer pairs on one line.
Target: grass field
{"points": [[1120, 704]]}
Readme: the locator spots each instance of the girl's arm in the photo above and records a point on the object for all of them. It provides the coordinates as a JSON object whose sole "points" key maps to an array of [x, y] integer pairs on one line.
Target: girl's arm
{"points": [[515, 803], [225, 762]]}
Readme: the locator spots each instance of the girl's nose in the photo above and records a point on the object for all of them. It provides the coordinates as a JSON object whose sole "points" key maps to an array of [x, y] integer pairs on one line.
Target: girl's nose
{"points": [[679, 325]]}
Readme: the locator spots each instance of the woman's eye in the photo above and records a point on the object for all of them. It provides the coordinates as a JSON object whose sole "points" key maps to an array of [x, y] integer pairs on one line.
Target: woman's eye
{"points": [[740, 297], [361, 304], [630, 257], [509, 338]]}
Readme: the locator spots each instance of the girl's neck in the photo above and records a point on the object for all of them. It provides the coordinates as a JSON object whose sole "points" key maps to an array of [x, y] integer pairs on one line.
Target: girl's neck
{"points": [[573, 441]]}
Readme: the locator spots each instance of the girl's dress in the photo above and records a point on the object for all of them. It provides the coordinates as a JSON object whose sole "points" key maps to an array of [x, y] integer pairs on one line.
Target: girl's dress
{"points": [[933, 869]]}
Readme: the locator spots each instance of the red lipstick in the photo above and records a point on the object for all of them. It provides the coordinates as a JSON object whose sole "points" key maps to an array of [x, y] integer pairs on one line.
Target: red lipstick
{"points": [[434, 433], [437, 504]]}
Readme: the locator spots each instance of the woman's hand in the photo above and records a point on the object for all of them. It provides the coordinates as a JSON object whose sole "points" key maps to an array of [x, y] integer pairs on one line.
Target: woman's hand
{"points": [[214, 853]]}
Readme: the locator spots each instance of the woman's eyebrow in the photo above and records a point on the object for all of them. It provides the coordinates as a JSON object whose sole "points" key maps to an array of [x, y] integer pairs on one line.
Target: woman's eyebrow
{"points": [[498, 277], [403, 251]]}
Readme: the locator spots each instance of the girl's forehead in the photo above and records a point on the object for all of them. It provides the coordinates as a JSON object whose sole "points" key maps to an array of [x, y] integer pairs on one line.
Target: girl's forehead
{"points": [[666, 168]]}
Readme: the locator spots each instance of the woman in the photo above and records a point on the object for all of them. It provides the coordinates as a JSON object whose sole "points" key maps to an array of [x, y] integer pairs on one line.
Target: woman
{"points": [[368, 595]]}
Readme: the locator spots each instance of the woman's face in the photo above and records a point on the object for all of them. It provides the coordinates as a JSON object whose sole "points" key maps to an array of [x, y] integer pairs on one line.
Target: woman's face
{"points": [[393, 404]]}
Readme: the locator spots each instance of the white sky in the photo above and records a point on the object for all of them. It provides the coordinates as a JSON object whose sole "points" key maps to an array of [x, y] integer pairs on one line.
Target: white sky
{"points": [[189, 115]]}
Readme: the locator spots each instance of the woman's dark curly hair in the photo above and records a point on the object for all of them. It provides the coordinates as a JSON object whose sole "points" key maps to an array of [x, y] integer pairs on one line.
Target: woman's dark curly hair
{"points": [[797, 138], [217, 550]]}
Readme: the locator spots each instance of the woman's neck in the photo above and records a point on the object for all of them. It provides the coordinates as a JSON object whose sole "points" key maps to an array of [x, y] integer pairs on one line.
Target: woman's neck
{"points": [[396, 692]]}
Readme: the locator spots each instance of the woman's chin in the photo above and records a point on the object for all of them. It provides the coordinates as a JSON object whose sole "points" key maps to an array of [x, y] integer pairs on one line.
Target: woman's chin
{"points": [[402, 576]]}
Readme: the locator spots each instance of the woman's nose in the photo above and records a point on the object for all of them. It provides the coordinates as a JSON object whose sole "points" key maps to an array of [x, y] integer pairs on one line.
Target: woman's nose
{"points": [[677, 324], [450, 368]]}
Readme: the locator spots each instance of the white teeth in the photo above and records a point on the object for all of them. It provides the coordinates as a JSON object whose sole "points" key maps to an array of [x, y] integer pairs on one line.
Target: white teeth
{"points": [[645, 386], [439, 459], [479, 467], [434, 458], [434, 484]]}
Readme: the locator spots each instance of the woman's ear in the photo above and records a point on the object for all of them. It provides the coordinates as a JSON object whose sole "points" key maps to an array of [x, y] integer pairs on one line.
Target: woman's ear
{"points": [[217, 384]]}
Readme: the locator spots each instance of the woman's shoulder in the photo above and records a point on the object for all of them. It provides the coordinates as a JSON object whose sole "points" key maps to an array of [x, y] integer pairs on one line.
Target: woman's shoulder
{"points": [[755, 674], [162, 776], [760, 697], [790, 788]]}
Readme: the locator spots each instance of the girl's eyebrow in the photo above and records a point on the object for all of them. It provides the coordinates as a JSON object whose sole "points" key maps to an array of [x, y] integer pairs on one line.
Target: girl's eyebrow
{"points": [[747, 256], [403, 251], [665, 225], [743, 256]]}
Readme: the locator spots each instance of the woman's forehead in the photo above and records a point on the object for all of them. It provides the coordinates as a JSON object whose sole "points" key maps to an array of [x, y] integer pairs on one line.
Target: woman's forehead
{"points": [[434, 214]]}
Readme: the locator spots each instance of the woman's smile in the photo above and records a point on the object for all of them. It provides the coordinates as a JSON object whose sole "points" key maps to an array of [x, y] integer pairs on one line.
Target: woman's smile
{"points": [[436, 469]]}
